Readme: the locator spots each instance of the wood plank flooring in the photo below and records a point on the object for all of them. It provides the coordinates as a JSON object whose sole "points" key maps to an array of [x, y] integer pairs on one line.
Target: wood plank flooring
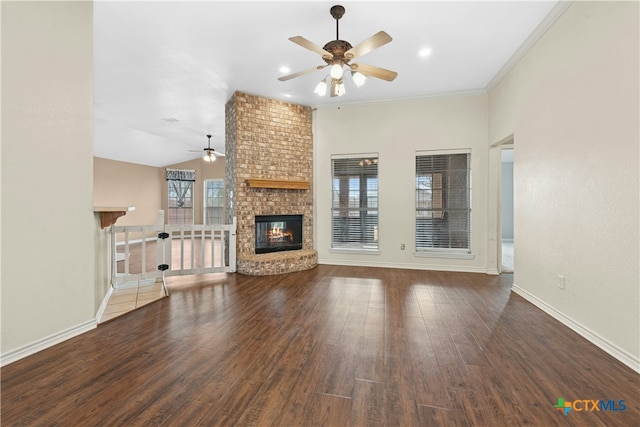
{"points": [[333, 346]]}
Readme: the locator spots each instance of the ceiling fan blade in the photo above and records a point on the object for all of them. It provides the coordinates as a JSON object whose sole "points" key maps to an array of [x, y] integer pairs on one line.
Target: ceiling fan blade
{"points": [[371, 71], [213, 152], [299, 40], [300, 73], [375, 41]]}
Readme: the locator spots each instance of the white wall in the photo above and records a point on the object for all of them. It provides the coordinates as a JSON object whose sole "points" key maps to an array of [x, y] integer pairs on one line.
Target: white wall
{"points": [[507, 201], [572, 105], [396, 130], [48, 226]]}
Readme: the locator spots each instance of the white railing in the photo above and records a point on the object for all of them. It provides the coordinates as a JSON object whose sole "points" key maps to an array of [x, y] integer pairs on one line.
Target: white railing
{"points": [[151, 252]]}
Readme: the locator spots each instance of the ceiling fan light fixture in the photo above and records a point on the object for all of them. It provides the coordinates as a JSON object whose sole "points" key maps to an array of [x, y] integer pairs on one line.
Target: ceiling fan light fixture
{"points": [[209, 157], [321, 88], [338, 53], [336, 71], [358, 78]]}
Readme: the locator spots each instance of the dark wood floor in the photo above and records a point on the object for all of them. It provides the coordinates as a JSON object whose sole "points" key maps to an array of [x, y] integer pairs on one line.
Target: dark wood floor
{"points": [[333, 346]]}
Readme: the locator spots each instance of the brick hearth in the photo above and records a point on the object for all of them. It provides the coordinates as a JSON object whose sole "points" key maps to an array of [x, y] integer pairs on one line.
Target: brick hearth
{"points": [[268, 139]]}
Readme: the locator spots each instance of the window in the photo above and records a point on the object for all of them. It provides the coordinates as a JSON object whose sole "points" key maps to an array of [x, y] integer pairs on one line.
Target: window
{"points": [[443, 202], [180, 191], [213, 201], [354, 209]]}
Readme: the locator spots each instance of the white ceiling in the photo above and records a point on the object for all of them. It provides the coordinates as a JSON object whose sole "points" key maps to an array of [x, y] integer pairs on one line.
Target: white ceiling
{"points": [[164, 70]]}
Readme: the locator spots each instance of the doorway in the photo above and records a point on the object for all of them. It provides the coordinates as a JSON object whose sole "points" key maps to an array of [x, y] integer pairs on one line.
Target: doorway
{"points": [[506, 214]]}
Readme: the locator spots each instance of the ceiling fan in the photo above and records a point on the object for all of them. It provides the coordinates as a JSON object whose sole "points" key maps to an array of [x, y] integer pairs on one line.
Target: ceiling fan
{"points": [[338, 54], [210, 154]]}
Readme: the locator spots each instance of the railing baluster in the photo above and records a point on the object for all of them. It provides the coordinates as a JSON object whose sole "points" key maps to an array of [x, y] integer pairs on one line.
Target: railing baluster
{"points": [[192, 251], [213, 248], [168, 244], [114, 259], [203, 245], [182, 247], [126, 254], [160, 244], [143, 270]]}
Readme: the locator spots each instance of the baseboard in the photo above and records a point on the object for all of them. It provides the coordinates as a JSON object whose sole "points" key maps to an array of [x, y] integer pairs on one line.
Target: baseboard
{"points": [[621, 355], [44, 343], [408, 266]]}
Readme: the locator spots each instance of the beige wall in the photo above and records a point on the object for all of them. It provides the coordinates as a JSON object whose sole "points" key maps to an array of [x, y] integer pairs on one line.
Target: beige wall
{"points": [[118, 183], [48, 225], [204, 170], [145, 187], [396, 130], [572, 106]]}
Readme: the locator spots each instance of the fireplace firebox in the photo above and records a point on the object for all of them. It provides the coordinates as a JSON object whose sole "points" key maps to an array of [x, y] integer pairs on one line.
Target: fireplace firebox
{"points": [[276, 233]]}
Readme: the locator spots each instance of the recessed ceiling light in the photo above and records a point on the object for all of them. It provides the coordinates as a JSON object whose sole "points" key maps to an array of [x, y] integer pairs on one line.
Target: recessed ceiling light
{"points": [[425, 52], [284, 69]]}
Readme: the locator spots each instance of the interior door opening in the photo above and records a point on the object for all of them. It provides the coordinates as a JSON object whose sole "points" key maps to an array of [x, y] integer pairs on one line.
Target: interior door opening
{"points": [[507, 239]]}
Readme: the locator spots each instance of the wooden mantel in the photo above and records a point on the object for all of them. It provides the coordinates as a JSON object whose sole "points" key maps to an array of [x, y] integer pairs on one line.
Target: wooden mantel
{"points": [[277, 183], [109, 215]]}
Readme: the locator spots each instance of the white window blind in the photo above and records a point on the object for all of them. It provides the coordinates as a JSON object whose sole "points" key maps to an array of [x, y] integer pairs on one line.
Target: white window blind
{"points": [[443, 202], [354, 219]]}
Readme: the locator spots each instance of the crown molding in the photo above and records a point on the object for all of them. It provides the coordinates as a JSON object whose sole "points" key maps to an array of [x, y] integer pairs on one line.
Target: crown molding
{"points": [[539, 31], [450, 94]]}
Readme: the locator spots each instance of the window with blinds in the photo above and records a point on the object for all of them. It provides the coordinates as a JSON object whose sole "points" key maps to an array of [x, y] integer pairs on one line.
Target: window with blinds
{"points": [[443, 202], [354, 208]]}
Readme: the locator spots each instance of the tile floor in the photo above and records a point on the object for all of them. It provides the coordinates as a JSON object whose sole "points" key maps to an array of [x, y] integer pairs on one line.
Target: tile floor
{"points": [[128, 297], [507, 256]]}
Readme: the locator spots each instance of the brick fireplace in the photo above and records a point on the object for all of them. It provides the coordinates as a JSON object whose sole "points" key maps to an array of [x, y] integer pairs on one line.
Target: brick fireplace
{"points": [[269, 171]]}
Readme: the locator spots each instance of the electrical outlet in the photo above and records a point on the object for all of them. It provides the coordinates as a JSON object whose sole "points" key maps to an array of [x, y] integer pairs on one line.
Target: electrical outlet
{"points": [[402, 247], [561, 281]]}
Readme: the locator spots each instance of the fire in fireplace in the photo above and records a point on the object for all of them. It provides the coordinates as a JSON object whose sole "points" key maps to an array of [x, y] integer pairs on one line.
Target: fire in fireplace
{"points": [[276, 233]]}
